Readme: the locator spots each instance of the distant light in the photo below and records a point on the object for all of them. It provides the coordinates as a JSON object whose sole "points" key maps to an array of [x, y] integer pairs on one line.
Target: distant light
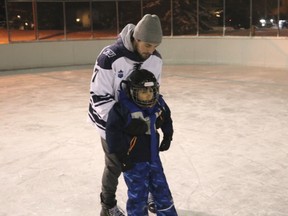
{"points": [[78, 20], [18, 16], [218, 14], [26, 24], [281, 23], [263, 22]]}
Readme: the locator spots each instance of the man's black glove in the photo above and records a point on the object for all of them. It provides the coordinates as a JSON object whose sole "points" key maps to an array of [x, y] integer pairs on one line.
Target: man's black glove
{"points": [[136, 127], [165, 144]]}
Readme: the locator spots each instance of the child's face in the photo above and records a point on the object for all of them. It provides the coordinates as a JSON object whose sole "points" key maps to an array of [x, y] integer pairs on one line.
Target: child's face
{"points": [[145, 94]]}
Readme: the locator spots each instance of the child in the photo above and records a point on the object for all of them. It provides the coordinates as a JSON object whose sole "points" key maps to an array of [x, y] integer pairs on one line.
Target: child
{"points": [[139, 154]]}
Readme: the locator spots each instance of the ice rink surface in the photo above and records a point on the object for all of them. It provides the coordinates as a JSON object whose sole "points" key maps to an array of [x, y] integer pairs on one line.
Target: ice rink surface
{"points": [[229, 155]]}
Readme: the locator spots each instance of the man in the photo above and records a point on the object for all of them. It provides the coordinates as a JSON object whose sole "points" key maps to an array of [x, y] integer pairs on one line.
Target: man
{"points": [[135, 48]]}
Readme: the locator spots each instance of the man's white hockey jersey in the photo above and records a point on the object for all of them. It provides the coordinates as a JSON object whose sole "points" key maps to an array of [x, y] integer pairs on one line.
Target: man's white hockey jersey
{"points": [[115, 63]]}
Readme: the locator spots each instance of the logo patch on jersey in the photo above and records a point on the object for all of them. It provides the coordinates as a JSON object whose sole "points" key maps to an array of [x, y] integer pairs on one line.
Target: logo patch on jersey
{"points": [[108, 52], [120, 74]]}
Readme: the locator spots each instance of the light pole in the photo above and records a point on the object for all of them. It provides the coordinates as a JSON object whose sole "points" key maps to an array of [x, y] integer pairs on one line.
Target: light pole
{"points": [[224, 17], [35, 19], [197, 17], [7, 22], [278, 17]]}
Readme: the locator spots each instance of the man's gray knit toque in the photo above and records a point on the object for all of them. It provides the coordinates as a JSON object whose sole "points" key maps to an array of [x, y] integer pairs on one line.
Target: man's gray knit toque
{"points": [[148, 29]]}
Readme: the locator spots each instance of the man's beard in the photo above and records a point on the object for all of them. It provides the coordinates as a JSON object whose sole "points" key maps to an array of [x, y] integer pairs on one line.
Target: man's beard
{"points": [[141, 56], [146, 56]]}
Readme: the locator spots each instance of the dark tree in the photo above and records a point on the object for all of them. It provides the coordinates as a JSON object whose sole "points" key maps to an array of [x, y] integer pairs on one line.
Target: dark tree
{"points": [[184, 15]]}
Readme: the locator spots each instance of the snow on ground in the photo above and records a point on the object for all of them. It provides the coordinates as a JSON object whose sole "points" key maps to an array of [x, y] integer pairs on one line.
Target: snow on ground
{"points": [[229, 155]]}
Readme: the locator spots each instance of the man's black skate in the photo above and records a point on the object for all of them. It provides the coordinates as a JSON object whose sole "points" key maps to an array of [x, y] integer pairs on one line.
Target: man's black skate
{"points": [[115, 211]]}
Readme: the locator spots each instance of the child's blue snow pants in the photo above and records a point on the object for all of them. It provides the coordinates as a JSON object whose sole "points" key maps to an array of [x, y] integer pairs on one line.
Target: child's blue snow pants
{"points": [[148, 177]]}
